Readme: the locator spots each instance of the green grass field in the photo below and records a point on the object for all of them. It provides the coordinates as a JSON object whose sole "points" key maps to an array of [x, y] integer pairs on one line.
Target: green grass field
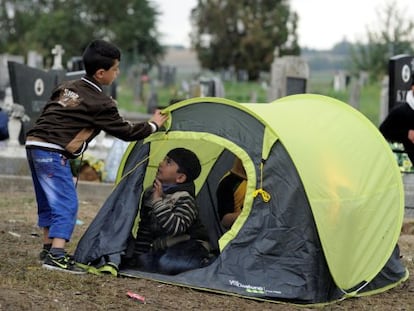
{"points": [[244, 92]]}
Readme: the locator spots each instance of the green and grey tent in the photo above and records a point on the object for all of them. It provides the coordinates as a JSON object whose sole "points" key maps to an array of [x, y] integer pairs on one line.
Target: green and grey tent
{"points": [[322, 214]]}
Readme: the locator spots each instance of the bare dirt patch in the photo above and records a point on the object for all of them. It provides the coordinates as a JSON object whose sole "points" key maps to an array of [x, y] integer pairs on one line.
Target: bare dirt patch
{"points": [[24, 285]]}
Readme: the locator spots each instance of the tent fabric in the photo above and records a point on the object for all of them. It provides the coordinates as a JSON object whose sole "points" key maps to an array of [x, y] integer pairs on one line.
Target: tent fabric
{"points": [[323, 208], [111, 227], [349, 187]]}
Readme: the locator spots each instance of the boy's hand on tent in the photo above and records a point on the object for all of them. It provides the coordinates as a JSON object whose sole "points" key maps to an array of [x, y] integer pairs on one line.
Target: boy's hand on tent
{"points": [[157, 190], [159, 118]]}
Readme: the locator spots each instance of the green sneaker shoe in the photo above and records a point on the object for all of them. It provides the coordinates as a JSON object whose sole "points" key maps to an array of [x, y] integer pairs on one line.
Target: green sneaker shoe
{"points": [[64, 264]]}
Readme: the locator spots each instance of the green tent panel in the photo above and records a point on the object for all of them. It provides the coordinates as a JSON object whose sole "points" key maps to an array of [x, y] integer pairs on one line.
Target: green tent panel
{"points": [[323, 210], [342, 161]]}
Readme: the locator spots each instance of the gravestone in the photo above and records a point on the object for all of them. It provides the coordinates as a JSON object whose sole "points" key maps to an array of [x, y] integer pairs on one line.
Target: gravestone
{"points": [[289, 75], [384, 98], [212, 87], [355, 94], [31, 88], [57, 52], [76, 64], [167, 75], [4, 72], [73, 75], [400, 71], [34, 59], [340, 81]]}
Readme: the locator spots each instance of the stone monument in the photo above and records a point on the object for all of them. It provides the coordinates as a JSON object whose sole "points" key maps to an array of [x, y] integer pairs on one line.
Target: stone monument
{"points": [[211, 87], [58, 52], [34, 59], [4, 73], [341, 80], [288, 76], [31, 88], [400, 71]]}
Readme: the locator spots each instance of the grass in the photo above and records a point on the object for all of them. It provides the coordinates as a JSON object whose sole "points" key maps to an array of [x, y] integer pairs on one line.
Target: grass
{"points": [[245, 92]]}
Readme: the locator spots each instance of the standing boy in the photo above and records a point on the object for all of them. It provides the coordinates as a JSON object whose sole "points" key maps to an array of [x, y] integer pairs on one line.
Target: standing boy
{"points": [[76, 112], [171, 238]]}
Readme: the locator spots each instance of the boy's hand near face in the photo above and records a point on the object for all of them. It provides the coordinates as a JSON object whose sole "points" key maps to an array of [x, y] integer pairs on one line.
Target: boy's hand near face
{"points": [[157, 193]]}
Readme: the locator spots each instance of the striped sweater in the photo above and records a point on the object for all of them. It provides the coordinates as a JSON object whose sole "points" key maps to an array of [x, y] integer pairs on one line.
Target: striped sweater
{"points": [[173, 217]]}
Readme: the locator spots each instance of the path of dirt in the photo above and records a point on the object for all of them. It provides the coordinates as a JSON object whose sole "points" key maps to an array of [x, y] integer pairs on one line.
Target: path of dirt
{"points": [[24, 285]]}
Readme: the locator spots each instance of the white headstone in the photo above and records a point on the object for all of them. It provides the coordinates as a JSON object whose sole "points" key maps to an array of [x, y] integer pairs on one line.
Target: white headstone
{"points": [[4, 72], [384, 98], [355, 94], [288, 76], [340, 81], [57, 51], [34, 59]]}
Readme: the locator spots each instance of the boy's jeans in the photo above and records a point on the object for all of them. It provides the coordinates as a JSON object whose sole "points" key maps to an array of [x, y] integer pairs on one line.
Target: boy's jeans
{"points": [[184, 256], [56, 196]]}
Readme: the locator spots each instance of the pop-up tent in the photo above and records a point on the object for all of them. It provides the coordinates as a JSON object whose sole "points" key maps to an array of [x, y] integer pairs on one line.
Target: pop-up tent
{"points": [[322, 214]]}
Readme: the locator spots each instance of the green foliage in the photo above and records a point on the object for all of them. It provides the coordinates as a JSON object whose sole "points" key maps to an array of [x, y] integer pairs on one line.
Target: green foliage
{"points": [[243, 34], [246, 92], [394, 36], [39, 25], [369, 100], [127, 100]]}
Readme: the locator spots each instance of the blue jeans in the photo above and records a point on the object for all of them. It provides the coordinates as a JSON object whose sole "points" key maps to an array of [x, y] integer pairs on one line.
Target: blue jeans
{"points": [[184, 256], [57, 200]]}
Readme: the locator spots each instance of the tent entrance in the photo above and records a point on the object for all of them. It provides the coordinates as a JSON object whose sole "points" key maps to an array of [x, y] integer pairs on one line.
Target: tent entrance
{"points": [[216, 156]]}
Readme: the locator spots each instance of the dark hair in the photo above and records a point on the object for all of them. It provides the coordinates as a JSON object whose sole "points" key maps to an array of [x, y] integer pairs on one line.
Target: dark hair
{"points": [[187, 161], [100, 54]]}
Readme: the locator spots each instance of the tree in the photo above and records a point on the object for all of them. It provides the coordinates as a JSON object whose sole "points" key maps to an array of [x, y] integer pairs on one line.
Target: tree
{"points": [[394, 36], [41, 24], [342, 48], [243, 34]]}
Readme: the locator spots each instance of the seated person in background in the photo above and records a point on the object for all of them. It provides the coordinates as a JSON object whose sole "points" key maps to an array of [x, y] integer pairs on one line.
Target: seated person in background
{"points": [[398, 126], [230, 194], [171, 238]]}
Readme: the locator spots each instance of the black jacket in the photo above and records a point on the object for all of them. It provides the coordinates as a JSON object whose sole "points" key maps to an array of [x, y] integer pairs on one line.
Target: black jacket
{"points": [[76, 112]]}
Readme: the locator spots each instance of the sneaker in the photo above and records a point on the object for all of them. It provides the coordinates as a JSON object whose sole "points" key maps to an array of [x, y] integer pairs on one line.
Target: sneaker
{"points": [[64, 264], [43, 254], [109, 268]]}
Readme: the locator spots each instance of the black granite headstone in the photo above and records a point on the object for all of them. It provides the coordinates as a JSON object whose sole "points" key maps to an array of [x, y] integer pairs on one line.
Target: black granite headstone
{"points": [[400, 71], [76, 64], [31, 88], [208, 88], [295, 86], [73, 75]]}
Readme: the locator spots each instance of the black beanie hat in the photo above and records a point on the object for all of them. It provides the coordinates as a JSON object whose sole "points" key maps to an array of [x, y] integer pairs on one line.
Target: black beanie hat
{"points": [[187, 162]]}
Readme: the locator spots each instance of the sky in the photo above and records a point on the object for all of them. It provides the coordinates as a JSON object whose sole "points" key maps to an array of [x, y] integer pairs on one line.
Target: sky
{"points": [[322, 24]]}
